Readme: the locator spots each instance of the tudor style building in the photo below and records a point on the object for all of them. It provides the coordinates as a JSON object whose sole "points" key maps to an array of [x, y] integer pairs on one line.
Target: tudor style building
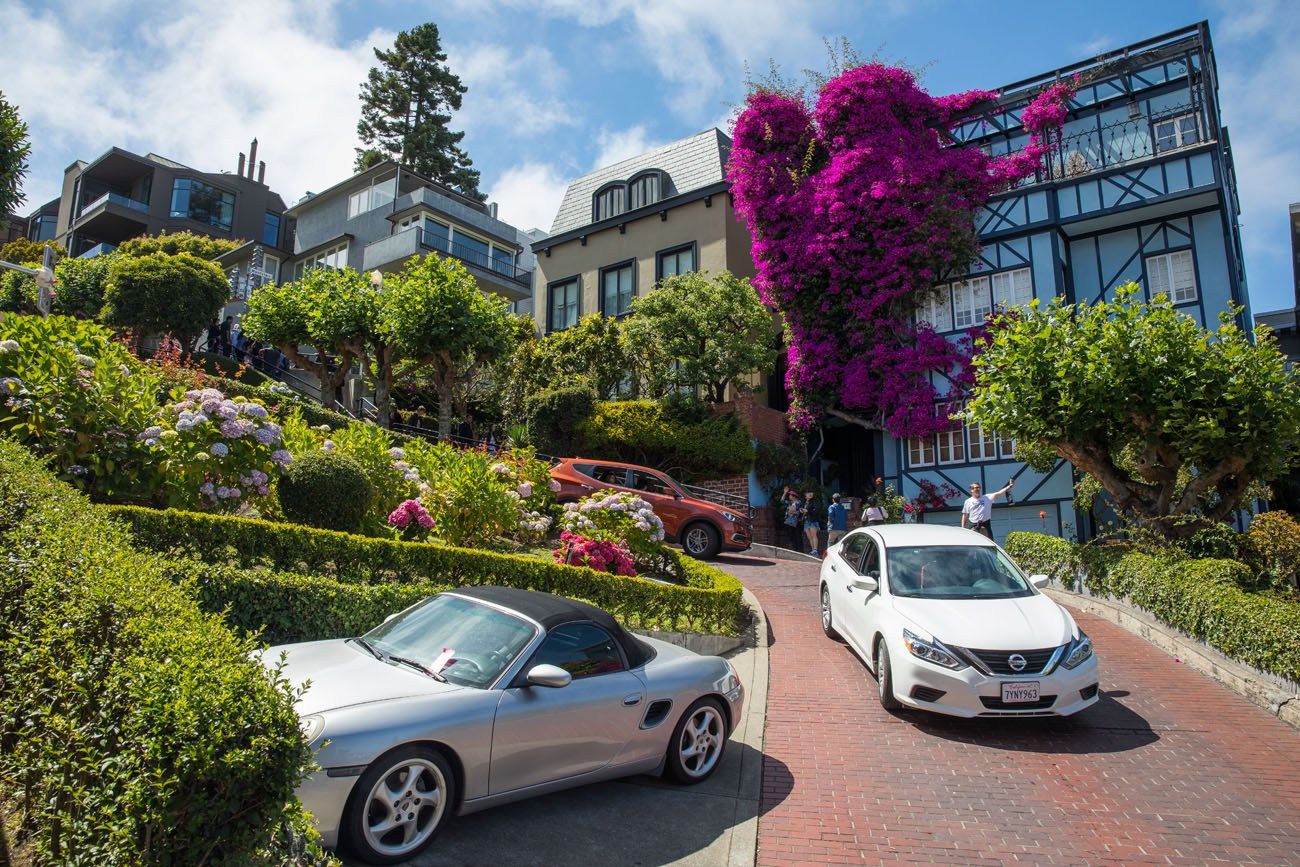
{"points": [[1139, 188]]}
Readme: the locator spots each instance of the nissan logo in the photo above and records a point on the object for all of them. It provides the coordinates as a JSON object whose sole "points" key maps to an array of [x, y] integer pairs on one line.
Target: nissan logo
{"points": [[1016, 661]]}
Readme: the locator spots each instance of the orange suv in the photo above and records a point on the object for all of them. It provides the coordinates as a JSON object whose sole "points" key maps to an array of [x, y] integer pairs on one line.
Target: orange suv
{"points": [[700, 527]]}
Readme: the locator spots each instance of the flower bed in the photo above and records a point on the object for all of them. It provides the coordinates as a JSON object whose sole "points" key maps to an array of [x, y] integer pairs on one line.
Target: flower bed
{"points": [[709, 601]]}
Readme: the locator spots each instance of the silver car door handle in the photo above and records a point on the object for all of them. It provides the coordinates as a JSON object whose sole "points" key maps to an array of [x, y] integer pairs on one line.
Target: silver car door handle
{"points": [[632, 700]]}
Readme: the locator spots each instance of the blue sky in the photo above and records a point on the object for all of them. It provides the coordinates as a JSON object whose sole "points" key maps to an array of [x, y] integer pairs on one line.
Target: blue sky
{"points": [[558, 87]]}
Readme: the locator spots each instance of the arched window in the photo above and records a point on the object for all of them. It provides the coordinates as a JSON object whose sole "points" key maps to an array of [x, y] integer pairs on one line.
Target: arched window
{"points": [[645, 189], [610, 201]]}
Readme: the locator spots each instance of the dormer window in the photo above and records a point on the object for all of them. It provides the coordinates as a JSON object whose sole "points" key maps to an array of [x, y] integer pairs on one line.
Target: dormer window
{"points": [[610, 202], [642, 190]]}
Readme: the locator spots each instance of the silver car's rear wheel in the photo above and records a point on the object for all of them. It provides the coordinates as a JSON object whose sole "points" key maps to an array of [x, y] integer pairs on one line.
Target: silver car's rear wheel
{"points": [[399, 804], [698, 742]]}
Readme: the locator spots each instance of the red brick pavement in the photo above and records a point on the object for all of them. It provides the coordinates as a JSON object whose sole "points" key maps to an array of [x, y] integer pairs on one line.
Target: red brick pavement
{"points": [[1169, 768]]}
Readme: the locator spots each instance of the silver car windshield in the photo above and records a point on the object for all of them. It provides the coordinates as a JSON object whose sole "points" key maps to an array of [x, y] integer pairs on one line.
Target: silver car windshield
{"points": [[954, 572], [465, 642]]}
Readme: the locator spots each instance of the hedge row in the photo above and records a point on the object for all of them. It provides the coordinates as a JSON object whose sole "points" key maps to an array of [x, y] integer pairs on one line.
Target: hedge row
{"points": [[1204, 598], [710, 603], [1039, 554], [134, 727]]}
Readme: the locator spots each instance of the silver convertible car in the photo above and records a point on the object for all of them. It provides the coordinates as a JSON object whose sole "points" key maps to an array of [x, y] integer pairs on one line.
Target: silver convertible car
{"points": [[486, 695]]}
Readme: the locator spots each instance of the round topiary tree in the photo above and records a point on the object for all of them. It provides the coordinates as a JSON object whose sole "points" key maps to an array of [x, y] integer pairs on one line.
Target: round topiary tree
{"points": [[327, 491]]}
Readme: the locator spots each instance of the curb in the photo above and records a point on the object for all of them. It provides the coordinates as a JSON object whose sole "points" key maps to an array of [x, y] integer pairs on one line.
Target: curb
{"points": [[751, 661], [1261, 689], [772, 552]]}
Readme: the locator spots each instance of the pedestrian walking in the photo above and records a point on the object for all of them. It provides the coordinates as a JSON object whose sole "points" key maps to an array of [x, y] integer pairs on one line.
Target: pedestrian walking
{"points": [[837, 520], [874, 513], [227, 326], [792, 519], [812, 526], [214, 335], [978, 509]]}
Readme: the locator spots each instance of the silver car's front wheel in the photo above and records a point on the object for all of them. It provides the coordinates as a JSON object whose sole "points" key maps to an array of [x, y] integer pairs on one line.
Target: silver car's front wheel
{"points": [[698, 742], [399, 804]]}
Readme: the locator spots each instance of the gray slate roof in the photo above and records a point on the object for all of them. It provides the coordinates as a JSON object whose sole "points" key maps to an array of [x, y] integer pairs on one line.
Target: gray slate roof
{"points": [[691, 163]]}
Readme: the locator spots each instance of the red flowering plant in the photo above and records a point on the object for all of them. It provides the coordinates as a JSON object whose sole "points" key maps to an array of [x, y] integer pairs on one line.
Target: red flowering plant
{"points": [[859, 205], [599, 554], [931, 496]]}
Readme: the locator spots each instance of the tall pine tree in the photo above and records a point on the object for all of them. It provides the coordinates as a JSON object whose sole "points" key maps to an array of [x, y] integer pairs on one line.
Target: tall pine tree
{"points": [[405, 108]]}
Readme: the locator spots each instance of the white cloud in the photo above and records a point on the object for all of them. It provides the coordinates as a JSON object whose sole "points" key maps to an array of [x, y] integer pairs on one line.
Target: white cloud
{"points": [[521, 91], [196, 89], [621, 144], [529, 194]]}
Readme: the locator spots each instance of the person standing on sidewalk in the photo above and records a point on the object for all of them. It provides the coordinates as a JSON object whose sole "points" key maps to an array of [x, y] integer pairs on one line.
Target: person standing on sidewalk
{"points": [[812, 527], [978, 509], [874, 513], [837, 520]]}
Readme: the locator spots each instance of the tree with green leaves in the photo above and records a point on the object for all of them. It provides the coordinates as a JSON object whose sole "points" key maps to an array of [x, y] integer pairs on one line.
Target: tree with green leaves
{"points": [[14, 149], [1169, 418], [441, 325], [21, 251], [406, 105], [172, 243], [713, 328], [161, 294]]}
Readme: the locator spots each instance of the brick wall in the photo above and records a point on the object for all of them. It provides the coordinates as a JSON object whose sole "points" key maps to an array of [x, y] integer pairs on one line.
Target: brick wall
{"points": [[736, 486], [763, 423]]}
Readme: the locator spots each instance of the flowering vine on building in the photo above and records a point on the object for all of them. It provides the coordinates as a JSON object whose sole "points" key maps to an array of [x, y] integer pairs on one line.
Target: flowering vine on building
{"points": [[858, 206]]}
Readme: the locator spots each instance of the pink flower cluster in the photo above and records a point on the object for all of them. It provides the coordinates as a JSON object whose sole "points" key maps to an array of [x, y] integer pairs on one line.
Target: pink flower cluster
{"points": [[577, 550], [858, 207], [409, 513], [931, 496]]}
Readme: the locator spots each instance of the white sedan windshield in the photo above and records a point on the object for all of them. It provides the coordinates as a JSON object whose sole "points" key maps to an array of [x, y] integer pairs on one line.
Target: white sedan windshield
{"points": [[465, 642], [954, 572]]}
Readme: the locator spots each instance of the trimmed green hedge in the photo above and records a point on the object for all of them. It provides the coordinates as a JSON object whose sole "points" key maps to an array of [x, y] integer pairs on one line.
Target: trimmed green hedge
{"points": [[1204, 598], [134, 727], [710, 603], [1039, 554]]}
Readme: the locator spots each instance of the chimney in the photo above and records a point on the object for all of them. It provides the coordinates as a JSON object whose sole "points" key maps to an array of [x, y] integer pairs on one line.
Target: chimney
{"points": [[261, 172], [252, 158], [241, 164], [492, 210]]}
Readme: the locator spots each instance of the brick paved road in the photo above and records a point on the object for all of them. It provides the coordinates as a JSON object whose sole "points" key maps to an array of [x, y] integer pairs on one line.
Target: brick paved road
{"points": [[1169, 768]]}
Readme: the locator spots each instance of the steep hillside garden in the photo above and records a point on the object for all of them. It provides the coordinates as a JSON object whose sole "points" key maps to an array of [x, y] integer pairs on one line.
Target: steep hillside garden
{"points": [[858, 207]]}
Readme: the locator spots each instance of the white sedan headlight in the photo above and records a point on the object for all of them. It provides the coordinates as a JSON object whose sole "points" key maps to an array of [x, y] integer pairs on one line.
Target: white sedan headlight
{"points": [[1080, 649], [931, 651]]}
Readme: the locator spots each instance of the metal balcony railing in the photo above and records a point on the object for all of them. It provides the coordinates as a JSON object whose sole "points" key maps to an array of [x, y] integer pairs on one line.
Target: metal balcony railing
{"points": [[739, 505], [142, 207], [466, 253]]}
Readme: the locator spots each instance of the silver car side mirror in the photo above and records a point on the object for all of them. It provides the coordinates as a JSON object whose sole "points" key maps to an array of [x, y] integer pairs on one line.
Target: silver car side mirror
{"points": [[1039, 581], [548, 675]]}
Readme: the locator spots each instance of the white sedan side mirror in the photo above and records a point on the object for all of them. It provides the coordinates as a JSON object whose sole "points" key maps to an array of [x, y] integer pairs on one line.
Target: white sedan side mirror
{"points": [[865, 582], [548, 675], [1039, 581]]}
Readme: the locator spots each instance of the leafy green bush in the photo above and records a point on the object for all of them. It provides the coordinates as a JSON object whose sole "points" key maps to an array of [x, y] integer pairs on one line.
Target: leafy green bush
{"points": [[74, 395], [774, 462], [1040, 554], [284, 399], [710, 601], [158, 293], [134, 728], [1275, 537], [216, 364], [174, 243], [642, 432], [330, 491], [620, 517], [554, 417]]}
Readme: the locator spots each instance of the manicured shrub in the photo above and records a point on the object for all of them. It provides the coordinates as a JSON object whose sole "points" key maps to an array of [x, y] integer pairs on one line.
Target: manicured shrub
{"points": [[1275, 536], [329, 491], [708, 601], [134, 727], [643, 432], [215, 364], [1039, 554], [159, 293], [555, 416], [599, 554], [620, 518]]}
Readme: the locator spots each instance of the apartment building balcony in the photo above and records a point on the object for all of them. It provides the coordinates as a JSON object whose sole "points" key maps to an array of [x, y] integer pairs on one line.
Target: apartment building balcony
{"points": [[493, 274], [112, 218]]}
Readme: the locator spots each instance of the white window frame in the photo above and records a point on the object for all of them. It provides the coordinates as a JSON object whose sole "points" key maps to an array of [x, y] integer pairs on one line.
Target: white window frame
{"points": [[376, 194], [982, 445], [920, 451], [937, 310], [333, 258], [1163, 272], [1180, 137], [1012, 289], [971, 302], [1007, 447], [952, 441]]}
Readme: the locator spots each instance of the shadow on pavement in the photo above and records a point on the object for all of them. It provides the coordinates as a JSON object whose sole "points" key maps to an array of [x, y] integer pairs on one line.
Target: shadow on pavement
{"points": [[640, 820]]}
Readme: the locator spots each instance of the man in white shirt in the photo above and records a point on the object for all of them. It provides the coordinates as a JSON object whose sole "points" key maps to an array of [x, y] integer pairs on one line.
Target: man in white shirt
{"points": [[978, 509]]}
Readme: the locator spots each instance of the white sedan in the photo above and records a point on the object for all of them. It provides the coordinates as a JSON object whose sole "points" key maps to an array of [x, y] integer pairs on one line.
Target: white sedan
{"points": [[950, 624]]}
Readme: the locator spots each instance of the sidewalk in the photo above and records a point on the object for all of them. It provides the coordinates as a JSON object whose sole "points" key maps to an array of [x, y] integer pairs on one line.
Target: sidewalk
{"points": [[641, 820]]}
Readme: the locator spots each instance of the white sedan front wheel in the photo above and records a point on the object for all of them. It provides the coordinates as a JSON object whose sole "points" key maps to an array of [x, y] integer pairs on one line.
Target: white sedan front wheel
{"points": [[885, 678], [828, 620]]}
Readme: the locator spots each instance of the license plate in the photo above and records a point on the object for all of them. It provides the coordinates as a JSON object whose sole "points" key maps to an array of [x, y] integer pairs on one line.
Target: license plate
{"points": [[1014, 693]]}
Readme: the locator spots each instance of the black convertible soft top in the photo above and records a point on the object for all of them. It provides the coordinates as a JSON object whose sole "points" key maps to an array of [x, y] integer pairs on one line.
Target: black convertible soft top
{"points": [[552, 611]]}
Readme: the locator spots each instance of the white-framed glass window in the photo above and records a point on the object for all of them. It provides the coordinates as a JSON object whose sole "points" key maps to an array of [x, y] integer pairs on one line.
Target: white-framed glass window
{"points": [[616, 290], [1175, 132], [952, 441], [1173, 274], [937, 310], [334, 257], [1007, 447], [678, 260], [971, 303], [1013, 288], [983, 443], [563, 301], [270, 268], [920, 451], [376, 195]]}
